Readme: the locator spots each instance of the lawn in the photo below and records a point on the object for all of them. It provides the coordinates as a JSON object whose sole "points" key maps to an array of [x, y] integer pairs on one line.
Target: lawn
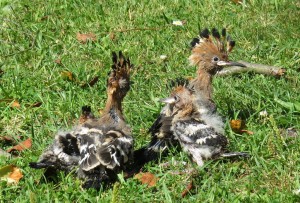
{"points": [[41, 60]]}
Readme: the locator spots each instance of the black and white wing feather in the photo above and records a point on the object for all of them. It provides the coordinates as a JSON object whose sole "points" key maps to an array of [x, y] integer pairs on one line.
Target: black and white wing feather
{"points": [[63, 154], [199, 140]]}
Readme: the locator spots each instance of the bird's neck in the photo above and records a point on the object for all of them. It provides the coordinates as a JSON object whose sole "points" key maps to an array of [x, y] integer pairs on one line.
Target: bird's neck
{"points": [[203, 83], [113, 103]]}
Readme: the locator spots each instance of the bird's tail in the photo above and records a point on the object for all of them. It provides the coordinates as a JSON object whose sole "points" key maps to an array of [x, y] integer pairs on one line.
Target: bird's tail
{"points": [[152, 152], [40, 165], [235, 154]]}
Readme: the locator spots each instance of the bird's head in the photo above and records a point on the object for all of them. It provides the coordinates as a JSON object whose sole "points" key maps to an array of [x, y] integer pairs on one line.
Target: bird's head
{"points": [[118, 83], [181, 98], [210, 51]]}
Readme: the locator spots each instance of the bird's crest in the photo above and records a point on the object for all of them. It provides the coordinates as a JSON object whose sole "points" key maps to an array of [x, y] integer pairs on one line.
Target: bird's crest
{"points": [[211, 46], [119, 77], [178, 82]]}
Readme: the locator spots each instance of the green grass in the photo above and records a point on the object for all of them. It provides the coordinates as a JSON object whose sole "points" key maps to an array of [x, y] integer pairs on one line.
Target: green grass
{"points": [[33, 34]]}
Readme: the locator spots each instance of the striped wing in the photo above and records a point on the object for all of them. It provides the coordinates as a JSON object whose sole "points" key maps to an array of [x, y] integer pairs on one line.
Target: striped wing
{"points": [[199, 140], [111, 150]]}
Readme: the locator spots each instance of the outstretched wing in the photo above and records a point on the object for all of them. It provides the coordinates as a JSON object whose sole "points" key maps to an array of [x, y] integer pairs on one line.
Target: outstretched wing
{"points": [[63, 154]]}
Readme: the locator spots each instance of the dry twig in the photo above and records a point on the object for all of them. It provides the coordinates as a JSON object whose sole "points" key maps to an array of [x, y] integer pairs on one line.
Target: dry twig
{"points": [[253, 67]]}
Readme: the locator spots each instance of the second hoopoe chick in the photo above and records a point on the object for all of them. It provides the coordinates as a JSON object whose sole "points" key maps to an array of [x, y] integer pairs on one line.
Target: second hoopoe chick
{"points": [[199, 131], [106, 144], [210, 53]]}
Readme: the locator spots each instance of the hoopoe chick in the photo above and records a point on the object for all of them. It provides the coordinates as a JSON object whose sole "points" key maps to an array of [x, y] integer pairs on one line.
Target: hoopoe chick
{"points": [[162, 137], [199, 131], [106, 144], [63, 154], [210, 53], [100, 147]]}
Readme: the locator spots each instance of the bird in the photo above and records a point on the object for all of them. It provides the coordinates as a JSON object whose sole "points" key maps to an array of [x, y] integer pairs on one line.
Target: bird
{"points": [[97, 148], [106, 143], [210, 55], [198, 130]]}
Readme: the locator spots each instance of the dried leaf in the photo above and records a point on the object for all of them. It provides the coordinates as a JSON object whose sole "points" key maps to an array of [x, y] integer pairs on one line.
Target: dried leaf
{"points": [[237, 1], [91, 83], [15, 104], [147, 178], [21, 146], [58, 61], [188, 188], [163, 57], [11, 174], [7, 138], [36, 104], [94, 81], [67, 75], [179, 22], [112, 36], [289, 132], [83, 38], [16, 174]]}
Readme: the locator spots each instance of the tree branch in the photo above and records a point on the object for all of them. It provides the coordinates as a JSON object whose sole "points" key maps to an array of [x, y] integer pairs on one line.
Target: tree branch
{"points": [[252, 67]]}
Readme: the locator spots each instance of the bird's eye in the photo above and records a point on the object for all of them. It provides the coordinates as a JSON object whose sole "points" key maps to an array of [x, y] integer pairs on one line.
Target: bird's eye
{"points": [[177, 98], [215, 59]]}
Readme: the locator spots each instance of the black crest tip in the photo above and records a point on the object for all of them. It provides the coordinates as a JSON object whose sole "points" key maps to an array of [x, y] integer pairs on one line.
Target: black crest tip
{"points": [[224, 32], [121, 56], [179, 82], [194, 42], [215, 33], [114, 57], [204, 33], [232, 43]]}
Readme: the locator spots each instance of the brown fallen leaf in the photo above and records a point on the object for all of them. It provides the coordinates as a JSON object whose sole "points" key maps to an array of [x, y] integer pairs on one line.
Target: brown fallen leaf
{"points": [[83, 38], [36, 104], [147, 178], [58, 61], [21, 146], [112, 36], [16, 174], [238, 126], [187, 189], [67, 75], [6, 138], [15, 104], [91, 83], [237, 1], [11, 174]]}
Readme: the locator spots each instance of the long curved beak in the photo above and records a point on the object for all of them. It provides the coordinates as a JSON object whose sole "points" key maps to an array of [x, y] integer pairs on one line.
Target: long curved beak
{"points": [[230, 63], [169, 100]]}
